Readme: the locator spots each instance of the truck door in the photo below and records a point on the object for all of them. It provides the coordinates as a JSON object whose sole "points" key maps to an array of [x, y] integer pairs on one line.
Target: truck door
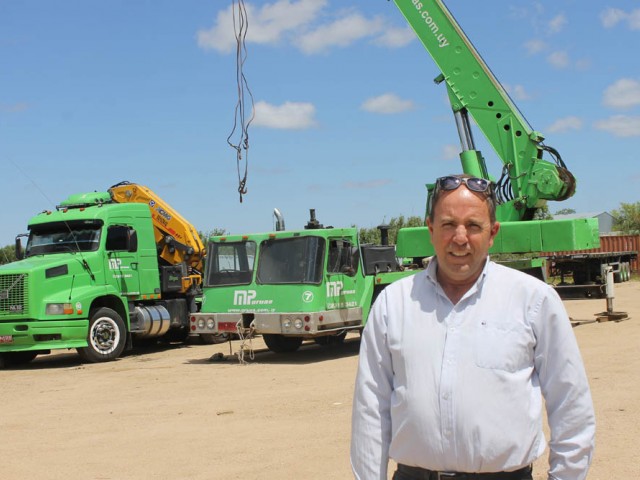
{"points": [[122, 257], [342, 278]]}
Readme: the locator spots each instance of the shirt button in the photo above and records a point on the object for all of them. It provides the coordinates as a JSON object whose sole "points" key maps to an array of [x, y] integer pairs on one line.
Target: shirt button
{"points": [[445, 396]]}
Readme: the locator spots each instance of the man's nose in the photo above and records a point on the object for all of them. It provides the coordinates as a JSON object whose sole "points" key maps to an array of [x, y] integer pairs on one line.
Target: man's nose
{"points": [[460, 235]]}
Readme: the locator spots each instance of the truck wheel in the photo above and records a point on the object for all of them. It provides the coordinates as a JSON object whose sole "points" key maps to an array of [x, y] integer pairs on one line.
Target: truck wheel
{"points": [[106, 337], [627, 272], [281, 344], [18, 358], [617, 276]]}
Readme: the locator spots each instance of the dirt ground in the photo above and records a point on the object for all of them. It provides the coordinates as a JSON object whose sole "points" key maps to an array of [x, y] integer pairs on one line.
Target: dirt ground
{"points": [[173, 413]]}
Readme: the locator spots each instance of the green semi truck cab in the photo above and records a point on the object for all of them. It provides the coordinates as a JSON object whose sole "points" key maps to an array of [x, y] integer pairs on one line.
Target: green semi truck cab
{"points": [[317, 283], [91, 278]]}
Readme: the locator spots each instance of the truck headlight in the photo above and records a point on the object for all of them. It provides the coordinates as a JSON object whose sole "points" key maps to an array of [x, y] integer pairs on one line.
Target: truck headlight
{"points": [[211, 323], [201, 323], [297, 323], [59, 309]]}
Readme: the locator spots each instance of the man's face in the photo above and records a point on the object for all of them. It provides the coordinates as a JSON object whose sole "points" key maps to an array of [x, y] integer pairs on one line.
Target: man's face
{"points": [[461, 233]]}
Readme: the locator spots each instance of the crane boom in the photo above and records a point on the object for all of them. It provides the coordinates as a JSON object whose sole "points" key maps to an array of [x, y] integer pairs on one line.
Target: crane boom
{"points": [[177, 240], [527, 180], [474, 90]]}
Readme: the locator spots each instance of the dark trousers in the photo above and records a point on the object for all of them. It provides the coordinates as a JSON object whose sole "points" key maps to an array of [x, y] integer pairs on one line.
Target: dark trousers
{"points": [[405, 472]]}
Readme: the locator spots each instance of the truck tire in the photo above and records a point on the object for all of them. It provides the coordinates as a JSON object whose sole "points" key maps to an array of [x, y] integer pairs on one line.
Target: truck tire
{"points": [[627, 272], [617, 276], [281, 344], [106, 337]]}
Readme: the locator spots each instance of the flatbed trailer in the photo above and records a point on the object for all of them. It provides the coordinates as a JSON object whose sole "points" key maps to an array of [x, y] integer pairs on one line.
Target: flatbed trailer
{"points": [[583, 274]]}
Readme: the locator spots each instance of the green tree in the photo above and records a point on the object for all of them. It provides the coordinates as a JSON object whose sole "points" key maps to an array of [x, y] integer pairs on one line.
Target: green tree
{"points": [[7, 254], [627, 218], [205, 234], [543, 213], [565, 211], [372, 235]]}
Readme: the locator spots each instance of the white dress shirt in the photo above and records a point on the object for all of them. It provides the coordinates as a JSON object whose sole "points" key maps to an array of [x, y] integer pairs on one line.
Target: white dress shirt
{"points": [[458, 387]]}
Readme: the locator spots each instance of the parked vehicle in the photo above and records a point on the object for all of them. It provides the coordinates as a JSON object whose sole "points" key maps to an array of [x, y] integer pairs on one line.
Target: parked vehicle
{"points": [[290, 285], [101, 270]]}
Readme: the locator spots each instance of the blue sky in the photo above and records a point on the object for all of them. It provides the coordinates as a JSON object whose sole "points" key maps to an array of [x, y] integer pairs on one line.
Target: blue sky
{"points": [[348, 120]]}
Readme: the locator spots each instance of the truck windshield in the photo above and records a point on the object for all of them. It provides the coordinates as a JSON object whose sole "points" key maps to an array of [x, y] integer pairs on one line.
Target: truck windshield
{"points": [[59, 237], [230, 263], [291, 260]]}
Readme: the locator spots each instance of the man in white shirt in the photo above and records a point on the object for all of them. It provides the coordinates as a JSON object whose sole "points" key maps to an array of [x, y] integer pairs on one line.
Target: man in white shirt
{"points": [[455, 360]]}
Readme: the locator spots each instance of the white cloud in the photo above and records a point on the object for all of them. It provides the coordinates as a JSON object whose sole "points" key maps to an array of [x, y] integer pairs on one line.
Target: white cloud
{"points": [[368, 185], [288, 116], [565, 124], [396, 37], [612, 16], [451, 152], [300, 23], [341, 33], [535, 46], [557, 23], [517, 92], [387, 103], [620, 126], [267, 24], [559, 59], [623, 94], [634, 20]]}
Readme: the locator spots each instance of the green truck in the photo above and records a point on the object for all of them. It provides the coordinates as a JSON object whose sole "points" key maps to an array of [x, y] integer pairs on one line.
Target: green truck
{"points": [[290, 285], [99, 271]]}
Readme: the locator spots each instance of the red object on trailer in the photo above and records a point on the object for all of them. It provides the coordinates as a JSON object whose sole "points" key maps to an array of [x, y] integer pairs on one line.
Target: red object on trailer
{"points": [[610, 244]]}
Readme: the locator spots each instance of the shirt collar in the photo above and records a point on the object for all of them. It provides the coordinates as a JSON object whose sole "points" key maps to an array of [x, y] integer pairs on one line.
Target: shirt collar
{"points": [[432, 268]]}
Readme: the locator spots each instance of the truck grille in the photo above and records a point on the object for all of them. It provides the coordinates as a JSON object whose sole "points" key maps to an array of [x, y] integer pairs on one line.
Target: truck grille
{"points": [[13, 294]]}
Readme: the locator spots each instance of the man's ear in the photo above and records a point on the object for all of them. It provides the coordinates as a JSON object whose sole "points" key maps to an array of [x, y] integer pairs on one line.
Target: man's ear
{"points": [[429, 225], [495, 228]]}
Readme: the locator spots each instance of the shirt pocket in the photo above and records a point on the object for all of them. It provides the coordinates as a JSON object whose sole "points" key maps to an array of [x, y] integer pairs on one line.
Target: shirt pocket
{"points": [[505, 347]]}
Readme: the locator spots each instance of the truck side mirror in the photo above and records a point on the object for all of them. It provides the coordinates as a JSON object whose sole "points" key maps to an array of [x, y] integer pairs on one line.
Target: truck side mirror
{"points": [[132, 241], [19, 251]]}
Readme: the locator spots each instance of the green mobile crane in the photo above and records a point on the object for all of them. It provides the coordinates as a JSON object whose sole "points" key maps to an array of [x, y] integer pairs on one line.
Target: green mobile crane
{"points": [[527, 180]]}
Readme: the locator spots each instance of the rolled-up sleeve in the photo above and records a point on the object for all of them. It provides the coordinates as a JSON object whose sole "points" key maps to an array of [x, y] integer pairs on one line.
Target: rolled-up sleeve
{"points": [[371, 421]]}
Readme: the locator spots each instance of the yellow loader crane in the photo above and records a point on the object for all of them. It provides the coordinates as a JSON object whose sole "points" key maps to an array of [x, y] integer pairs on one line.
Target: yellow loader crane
{"points": [[177, 240]]}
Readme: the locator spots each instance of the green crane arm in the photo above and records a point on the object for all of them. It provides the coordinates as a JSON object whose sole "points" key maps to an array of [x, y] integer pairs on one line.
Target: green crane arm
{"points": [[527, 179]]}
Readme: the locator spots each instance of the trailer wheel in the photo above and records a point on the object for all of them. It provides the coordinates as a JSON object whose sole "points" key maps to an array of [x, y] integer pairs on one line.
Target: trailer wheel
{"points": [[106, 337], [627, 272], [617, 276], [281, 344]]}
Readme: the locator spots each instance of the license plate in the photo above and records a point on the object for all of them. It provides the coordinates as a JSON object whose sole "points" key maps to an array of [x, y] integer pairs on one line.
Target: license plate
{"points": [[6, 338], [226, 326]]}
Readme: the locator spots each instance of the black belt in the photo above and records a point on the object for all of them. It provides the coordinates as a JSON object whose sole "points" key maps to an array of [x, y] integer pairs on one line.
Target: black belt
{"points": [[418, 473]]}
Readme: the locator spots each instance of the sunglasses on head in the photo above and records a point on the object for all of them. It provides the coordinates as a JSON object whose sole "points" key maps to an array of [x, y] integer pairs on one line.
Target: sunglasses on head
{"points": [[474, 184]]}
